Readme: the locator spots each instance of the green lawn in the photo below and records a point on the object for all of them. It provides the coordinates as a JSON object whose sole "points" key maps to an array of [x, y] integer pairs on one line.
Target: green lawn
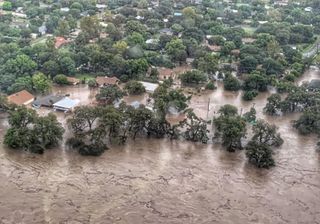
{"points": [[248, 29], [39, 40]]}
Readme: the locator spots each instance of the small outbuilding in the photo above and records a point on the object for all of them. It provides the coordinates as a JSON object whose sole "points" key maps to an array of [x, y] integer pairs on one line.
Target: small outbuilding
{"points": [[66, 104], [73, 80], [21, 98]]}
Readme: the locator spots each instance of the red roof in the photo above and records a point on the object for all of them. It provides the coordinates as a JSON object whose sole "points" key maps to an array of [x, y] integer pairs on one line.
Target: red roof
{"points": [[21, 98], [105, 80], [59, 41]]}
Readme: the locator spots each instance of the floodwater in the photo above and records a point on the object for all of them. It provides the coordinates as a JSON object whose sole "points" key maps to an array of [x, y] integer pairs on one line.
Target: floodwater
{"points": [[166, 182]]}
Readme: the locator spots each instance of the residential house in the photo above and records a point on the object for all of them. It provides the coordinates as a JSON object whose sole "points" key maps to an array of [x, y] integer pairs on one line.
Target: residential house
{"points": [[106, 81], [60, 41], [66, 104], [47, 101], [21, 98]]}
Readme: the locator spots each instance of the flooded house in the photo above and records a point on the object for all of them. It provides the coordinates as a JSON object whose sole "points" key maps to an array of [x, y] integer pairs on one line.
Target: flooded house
{"points": [[21, 98], [47, 101], [66, 104], [106, 81]]}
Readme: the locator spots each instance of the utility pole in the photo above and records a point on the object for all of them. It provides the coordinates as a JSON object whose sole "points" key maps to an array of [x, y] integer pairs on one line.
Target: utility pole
{"points": [[208, 108]]}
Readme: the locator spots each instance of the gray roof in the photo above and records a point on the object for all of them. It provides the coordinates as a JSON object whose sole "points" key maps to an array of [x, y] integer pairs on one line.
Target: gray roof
{"points": [[314, 84], [47, 101]]}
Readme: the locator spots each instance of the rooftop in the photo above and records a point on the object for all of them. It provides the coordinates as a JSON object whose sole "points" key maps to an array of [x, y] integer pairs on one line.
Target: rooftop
{"points": [[105, 80], [21, 98]]}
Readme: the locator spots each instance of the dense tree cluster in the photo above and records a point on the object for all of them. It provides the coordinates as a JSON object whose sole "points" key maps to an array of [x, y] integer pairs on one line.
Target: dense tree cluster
{"points": [[28, 131]]}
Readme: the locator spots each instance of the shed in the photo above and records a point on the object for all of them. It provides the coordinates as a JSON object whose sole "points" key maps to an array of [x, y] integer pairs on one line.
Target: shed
{"points": [[150, 87], [73, 80], [21, 98], [66, 104]]}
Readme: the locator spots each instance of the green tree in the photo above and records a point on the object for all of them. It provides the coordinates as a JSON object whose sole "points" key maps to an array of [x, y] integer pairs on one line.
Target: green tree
{"points": [[176, 50], [134, 87], [61, 79], [6, 5], [309, 121], [21, 66], [265, 133], [109, 94], [21, 83], [63, 28], [28, 131], [67, 66], [231, 83], [259, 155], [196, 128], [230, 127], [41, 83], [90, 26], [273, 106], [248, 64], [193, 77]]}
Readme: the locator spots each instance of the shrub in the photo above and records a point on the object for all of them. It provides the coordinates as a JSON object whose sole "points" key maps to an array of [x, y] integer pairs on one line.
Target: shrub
{"points": [[210, 86], [249, 95]]}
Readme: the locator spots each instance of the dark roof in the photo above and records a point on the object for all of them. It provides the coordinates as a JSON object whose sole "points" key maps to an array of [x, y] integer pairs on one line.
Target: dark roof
{"points": [[314, 84], [47, 101]]}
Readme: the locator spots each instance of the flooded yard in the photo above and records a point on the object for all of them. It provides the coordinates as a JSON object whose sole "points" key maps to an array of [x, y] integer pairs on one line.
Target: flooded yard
{"points": [[163, 181]]}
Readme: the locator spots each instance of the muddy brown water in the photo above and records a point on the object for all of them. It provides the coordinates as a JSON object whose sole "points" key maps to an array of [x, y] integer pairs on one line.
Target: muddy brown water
{"points": [[163, 181]]}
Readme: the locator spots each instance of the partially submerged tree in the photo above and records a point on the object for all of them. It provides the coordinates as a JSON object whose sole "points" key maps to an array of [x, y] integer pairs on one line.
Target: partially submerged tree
{"points": [[259, 155], [109, 94], [196, 128], [30, 132], [230, 127], [258, 150], [309, 121], [273, 107], [266, 134]]}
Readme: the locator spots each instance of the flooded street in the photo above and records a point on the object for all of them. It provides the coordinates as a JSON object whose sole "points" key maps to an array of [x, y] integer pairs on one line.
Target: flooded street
{"points": [[166, 182]]}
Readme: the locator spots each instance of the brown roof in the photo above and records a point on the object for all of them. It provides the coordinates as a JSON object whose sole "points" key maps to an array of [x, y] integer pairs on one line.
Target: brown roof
{"points": [[59, 41], [235, 52], [165, 72], [21, 98], [105, 80], [73, 80], [214, 48]]}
